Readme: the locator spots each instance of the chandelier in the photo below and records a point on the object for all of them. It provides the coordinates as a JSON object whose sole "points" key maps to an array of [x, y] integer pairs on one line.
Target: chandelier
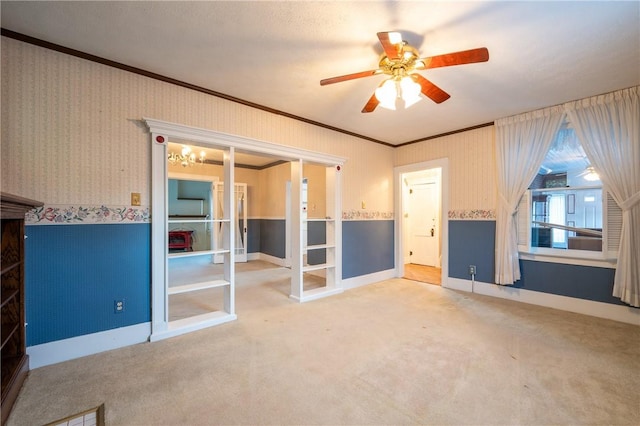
{"points": [[186, 157]]}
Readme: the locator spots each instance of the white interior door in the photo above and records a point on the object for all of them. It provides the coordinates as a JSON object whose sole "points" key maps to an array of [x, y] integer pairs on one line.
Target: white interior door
{"points": [[424, 224]]}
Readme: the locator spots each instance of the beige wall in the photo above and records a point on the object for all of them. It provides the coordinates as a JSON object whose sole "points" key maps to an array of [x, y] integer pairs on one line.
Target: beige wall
{"points": [[72, 132], [471, 155]]}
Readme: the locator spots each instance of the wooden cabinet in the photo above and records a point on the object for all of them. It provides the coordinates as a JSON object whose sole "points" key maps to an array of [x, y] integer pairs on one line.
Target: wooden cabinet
{"points": [[15, 362]]}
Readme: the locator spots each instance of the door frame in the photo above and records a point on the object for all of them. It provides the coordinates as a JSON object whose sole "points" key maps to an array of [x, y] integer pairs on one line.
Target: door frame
{"points": [[163, 132], [398, 172]]}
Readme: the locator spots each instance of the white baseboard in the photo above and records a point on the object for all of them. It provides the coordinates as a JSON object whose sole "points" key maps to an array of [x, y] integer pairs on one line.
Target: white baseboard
{"points": [[361, 280], [267, 258], [610, 311], [76, 347]]}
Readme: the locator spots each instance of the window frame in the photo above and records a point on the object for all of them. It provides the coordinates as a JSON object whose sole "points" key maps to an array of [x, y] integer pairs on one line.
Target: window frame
{"points": [[605, 258]]}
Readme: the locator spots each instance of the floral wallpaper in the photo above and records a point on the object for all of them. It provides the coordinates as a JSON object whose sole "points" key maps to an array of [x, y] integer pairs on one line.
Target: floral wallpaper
{"points": [[366, 215], [65, 214], [472, 214]]}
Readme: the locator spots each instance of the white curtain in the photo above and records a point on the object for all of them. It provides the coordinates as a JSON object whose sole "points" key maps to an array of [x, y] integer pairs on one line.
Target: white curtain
{"points": [[521, 144], [609, 128]]}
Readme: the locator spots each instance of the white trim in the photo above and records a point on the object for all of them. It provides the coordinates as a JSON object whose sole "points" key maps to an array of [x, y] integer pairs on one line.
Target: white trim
{"points": [[315, 294], [267, 258], [610, 311], [161, 133], [458, 284], [194, 177], [211, 137], [443, 164], [362, 280], [597, 263], [194, 323], [89, 344]]}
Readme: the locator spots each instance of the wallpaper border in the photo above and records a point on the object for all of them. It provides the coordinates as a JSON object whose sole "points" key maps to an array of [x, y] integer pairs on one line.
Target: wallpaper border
{"points": [[366, 215], [56, 214], [472, 214]]}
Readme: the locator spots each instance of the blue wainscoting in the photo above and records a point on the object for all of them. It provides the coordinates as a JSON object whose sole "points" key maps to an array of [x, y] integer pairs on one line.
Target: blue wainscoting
{"points": [[582, 282], [473, 243], [253, 235], [367, 247], [74, 273], [316, 235], [272, 237]]}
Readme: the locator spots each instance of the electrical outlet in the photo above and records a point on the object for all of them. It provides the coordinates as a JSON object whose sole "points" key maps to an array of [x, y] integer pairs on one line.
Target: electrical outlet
{"points": [[472, 269], [118, 306]]}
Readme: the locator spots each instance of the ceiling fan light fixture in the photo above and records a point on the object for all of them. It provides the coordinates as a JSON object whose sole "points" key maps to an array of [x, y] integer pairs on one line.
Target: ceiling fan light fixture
{"points": [[387, 94], [410, 91], [591, 174]]}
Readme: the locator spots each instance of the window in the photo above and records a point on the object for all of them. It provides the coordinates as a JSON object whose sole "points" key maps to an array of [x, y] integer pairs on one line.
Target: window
{"points": [[566, 212]]}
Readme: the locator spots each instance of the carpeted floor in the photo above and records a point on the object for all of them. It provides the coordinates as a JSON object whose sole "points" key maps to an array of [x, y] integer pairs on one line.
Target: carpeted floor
{"points": [[394, 352]]}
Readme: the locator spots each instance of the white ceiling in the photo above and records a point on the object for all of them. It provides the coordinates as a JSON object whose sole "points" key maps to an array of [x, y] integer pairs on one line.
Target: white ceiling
{"points": [[274, 54]]}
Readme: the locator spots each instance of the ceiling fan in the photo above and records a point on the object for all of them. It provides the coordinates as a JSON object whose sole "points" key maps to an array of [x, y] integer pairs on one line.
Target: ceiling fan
{"points": [[401, 61]]}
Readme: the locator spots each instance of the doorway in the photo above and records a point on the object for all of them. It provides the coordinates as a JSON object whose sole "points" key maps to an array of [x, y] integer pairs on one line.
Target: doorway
{"points": [[231, 150], [422, 224]]}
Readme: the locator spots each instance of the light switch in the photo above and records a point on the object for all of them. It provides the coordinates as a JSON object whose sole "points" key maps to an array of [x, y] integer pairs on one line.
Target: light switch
{"points": [[135, 198]]}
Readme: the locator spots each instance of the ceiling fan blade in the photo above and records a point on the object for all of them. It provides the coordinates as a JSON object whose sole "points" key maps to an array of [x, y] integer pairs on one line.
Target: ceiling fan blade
{"points": [[392, 44], [456, 58], [372, 104], [430, 90], [347, 77]]}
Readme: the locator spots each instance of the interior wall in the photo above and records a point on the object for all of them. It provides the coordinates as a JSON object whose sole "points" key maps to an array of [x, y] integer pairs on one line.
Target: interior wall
{"points": [[76, 135], [471, 155], [472, 204], [72, 137]]}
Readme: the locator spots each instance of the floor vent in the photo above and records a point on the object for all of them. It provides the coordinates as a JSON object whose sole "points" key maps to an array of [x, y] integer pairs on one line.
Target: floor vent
{"points": [[93, 417]]}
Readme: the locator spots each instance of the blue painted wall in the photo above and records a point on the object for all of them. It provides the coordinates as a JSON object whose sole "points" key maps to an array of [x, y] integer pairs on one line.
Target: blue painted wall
{"points": [[253, 235], [316, 235], [367, 247], [473, 243], [582, 282], [272, 237], [73, 274]]}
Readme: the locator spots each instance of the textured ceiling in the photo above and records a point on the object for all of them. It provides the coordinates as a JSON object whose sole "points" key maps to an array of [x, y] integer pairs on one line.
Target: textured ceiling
{"points": [[275, 53]]}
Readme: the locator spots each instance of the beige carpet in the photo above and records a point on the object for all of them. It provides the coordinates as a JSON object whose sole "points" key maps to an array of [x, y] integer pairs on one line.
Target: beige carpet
{"points": [[395, 352]]}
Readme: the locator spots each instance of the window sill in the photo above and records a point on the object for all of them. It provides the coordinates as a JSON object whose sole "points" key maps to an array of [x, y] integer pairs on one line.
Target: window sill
{"points": [[569, 257]]}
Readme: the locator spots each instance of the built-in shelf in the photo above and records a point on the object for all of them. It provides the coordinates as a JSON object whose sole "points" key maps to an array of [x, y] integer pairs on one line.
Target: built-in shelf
{"points": [[173, 220], [197, 286], [196, 253], [10, 267], [15, 361], [307, 268], [320, 247], [8, 295], [7, 332]]}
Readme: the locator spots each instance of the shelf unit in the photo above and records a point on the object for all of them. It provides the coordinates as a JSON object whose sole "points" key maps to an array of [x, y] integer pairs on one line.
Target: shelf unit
{"points": [[315, 273], [15, 361]]}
